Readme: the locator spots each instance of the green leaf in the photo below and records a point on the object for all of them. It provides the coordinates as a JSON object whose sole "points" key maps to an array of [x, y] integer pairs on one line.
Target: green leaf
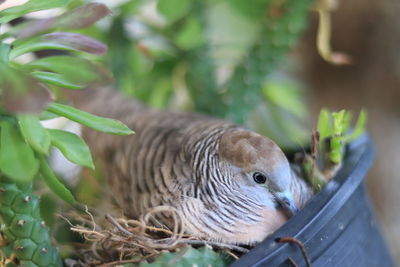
{"points": [[34, 133], [21, 92], [286, 129], [31, 6], [284, 94], [53, 183], [359, 128], [72, 147], [74, 72], [83, 16], [59, 41], [55, 79], [324, 125], [17, 159], [80, 17], [98, 123], [161, 93], [4, 52], [173, 9], [191, 35], [338, 119], [252, 10], [45, 115]]}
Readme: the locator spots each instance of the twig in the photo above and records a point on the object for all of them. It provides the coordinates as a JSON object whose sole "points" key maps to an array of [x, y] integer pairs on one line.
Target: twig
{"points": [[66, 219], [126, 238], [324, 9], [91, 217], [314, 144], [147, 227], [299, 244], [94, 251], [177, 232], [292, 262], [116, 224], [85, 231], [227, 251], [314, 154], [311, 172]]}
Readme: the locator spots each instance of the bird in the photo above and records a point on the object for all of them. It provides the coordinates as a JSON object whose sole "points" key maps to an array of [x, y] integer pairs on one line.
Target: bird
{"points": [[228, 183]]}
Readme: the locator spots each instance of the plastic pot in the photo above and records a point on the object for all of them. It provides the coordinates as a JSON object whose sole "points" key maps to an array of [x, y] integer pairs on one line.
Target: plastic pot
{"points": [[337, 227]]}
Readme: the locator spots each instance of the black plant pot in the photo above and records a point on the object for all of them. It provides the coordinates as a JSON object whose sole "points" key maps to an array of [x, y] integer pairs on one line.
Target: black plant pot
{"points": [[337, 227]]}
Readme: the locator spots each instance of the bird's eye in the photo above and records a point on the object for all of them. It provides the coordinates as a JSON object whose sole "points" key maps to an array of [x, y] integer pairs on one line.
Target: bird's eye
{"points": [[259, 178]]}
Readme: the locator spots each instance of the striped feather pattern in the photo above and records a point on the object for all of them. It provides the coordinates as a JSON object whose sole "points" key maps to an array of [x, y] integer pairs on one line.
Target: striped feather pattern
{"points": [[173, 159]]}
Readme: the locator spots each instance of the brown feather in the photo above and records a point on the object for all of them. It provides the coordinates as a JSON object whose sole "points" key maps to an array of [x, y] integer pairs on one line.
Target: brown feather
{"points": [[187, 161]]}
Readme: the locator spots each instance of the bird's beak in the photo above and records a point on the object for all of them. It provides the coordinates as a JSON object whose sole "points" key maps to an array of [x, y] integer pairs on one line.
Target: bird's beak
{"points": [[286, 202]]}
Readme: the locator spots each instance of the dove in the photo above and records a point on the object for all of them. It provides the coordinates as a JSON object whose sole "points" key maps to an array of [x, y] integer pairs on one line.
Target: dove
{"points": [[226, 182]]}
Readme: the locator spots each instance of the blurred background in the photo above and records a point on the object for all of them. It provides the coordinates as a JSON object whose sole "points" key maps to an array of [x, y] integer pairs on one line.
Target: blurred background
{"points": [[260, 67]]}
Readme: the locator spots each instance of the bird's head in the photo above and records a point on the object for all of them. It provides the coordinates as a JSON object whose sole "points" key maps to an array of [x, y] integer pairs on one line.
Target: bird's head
{"points": [[260, 164], [244, 191]]}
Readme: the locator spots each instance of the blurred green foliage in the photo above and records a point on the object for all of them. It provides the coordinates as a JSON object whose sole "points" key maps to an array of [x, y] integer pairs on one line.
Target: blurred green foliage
{"points": [[214, 57]]}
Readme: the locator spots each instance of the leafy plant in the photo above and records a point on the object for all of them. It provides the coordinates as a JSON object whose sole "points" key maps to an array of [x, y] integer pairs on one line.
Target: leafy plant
{"points": [[335, 127], [27, 94], [214, 57], [328, 145]]}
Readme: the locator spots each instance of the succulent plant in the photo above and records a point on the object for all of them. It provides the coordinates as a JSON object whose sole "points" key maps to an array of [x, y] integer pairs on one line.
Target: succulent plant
{"points": [[24, 229], [190, 256]]}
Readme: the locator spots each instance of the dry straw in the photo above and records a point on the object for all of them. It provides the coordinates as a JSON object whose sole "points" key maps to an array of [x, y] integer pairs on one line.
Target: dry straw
{"points": [[111, 241]]}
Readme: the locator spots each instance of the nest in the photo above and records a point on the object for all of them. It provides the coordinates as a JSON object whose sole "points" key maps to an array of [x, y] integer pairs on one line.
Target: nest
{"points": [[110, 241]]}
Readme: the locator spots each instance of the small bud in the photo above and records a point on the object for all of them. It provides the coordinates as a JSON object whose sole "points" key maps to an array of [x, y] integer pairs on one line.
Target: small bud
{"points": [[44, 250], [43, 224], [19, 248], [21, 223], [27, 199]]}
